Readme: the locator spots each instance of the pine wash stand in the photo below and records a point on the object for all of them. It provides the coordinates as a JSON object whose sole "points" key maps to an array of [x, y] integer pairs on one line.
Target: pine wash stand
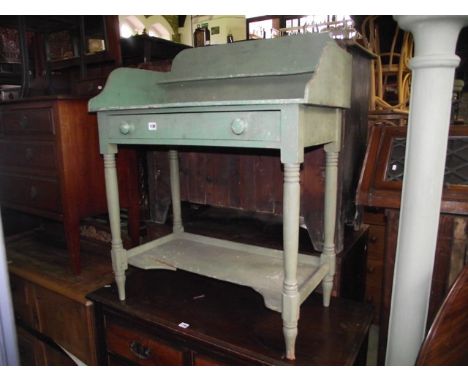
{"points": [[286, 94]]}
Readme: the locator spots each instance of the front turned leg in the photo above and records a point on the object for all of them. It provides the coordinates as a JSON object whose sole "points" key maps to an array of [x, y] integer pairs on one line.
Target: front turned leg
{"points": [[118, 253], [331, 190], [175, 191], [291, 301]]}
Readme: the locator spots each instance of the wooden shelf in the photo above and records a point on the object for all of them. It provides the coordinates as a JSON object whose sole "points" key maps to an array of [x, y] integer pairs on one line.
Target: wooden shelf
{"points": [[248, 265]]}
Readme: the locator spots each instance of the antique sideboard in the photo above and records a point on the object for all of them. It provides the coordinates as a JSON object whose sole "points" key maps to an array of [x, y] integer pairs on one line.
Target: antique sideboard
{"points": [[284, 94]]}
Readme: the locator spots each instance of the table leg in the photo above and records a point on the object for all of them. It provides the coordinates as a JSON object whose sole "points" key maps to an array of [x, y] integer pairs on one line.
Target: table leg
{"points": [[118, 253], [175, 191], [291, 300], [331, 186]]}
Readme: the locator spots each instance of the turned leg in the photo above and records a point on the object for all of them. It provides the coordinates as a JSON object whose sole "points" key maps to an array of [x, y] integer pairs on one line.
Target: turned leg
{"points": [[291, 302], [331, 186], [119, 256], [175, 191]]}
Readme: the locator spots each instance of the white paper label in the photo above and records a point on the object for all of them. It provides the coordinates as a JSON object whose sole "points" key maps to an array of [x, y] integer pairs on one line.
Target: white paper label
{"points": [[152, 126]]}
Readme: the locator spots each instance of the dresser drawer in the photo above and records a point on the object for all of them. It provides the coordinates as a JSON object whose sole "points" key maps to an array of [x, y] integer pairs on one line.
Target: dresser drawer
{"points": [[33, 192], [197, 128], [139, 346], [23, 301], [29, 155], [27, 122]]}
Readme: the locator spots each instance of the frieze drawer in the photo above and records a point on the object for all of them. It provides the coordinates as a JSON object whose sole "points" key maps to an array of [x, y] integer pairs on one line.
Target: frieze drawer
{"points": [[28, 121], [214, 126], [34, 192], [30, 156]]}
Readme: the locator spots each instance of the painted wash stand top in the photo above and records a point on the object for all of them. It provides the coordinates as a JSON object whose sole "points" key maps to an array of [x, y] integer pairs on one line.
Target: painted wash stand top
{"points": [[286, 94]]}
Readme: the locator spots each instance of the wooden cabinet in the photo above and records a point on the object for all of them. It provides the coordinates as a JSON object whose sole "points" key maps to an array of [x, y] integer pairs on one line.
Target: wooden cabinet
{"points": [[379, 192], [51, 311], [50, 166], [180, 318], [375, 259]]}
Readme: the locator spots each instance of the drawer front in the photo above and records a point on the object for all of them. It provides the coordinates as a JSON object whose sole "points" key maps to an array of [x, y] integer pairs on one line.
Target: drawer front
{"points": [[33, 192], [67, 322], [27, 122], [198, 128], [140, 347], [29, 155], [23, 305]]}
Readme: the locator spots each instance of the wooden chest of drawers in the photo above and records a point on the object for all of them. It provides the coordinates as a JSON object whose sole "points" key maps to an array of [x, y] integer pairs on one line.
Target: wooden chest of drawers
{"points": [[180, 318], [51, 310], [50, 166]]}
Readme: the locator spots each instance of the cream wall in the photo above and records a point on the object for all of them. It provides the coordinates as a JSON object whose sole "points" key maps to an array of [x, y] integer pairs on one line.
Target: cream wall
{"points": [[234, 24]]}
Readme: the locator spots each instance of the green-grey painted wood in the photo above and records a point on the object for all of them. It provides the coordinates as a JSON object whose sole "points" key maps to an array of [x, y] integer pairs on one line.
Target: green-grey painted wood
{"points": [[284, 94], [212, 127], [251, 58], [289, 128], [119, 257], [249, 265], [310, 69], [330, 209], [290, 293], [175, 191]]}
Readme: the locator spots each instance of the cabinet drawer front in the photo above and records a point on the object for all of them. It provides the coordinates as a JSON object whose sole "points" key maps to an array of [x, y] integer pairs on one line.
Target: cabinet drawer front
{"points": [[33, 192], [139, 346], [28, 121], [29, 155], [67, 322], [22, 301], [199, 128]]}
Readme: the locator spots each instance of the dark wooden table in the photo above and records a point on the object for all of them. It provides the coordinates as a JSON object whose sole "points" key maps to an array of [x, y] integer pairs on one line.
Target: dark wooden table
{"points": [[228, 325]]}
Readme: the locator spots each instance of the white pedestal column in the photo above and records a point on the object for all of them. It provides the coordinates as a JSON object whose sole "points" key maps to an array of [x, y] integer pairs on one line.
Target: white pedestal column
{"points": [[433, 68]]}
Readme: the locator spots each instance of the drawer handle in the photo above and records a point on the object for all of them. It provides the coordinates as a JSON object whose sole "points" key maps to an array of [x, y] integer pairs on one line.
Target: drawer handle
{"points": [[139, 350], [33, 193], [238, 126], [126, 128]]}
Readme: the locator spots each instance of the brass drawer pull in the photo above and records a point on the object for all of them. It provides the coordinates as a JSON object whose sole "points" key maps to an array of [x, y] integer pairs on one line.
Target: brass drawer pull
{"points": [[139, 350]]}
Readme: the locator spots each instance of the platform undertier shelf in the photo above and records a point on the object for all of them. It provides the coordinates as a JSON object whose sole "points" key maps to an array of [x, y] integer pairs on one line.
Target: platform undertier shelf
{"points": [[256, 267]]}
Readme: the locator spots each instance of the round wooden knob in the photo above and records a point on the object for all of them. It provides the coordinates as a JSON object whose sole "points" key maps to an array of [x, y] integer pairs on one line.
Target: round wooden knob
{"points": [[238, 126], [126, 128]]}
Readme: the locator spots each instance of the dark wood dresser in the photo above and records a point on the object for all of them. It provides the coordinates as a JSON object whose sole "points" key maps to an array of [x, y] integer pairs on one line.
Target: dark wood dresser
{"points": [[52, 314], [50, 166], [180, 318]]}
